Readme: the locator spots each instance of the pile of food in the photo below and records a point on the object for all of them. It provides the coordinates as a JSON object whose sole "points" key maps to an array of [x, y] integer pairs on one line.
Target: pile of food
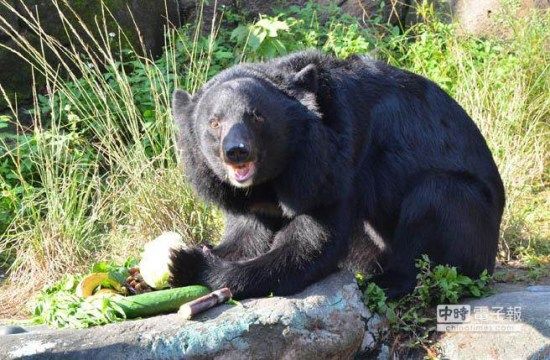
{"points": [[113, 292]]}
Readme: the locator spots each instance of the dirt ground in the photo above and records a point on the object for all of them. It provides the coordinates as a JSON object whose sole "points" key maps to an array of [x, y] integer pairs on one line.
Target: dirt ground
{"points": [[514, 276]]}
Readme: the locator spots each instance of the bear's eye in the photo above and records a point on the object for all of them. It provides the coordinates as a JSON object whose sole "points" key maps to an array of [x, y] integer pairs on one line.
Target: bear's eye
{"points": [[257, 117], [215, 123]]}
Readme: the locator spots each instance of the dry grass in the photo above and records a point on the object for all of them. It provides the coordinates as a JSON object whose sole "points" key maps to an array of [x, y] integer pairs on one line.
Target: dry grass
{"points": [[510, 102]]}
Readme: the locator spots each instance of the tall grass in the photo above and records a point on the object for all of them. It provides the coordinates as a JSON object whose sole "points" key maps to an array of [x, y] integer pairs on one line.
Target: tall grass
{"points": [[104, 177], [97, 175]]}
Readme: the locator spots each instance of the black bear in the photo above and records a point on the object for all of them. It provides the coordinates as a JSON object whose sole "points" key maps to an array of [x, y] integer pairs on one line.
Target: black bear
{"points": [[313, 158]]}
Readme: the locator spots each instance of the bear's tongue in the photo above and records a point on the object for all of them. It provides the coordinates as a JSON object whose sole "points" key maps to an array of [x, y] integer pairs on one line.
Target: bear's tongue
{"points": [[243, 172]]}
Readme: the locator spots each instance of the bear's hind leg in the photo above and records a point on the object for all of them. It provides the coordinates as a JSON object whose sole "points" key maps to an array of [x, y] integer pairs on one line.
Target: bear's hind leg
{"points": [[454, 220]]}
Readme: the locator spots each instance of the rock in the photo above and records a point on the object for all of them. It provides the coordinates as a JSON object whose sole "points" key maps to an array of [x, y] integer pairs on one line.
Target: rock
{"points": [[10, 17], [384, 353], [11, 329], [481, 17], [531, 341], [539, 288], [325, 321], [15, 76], [476, 17], [149, 17], [139, 19]]}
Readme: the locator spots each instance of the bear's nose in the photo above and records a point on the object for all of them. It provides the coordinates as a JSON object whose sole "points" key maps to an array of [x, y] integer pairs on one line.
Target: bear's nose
{"points": [[237, 153], [236, 145]]}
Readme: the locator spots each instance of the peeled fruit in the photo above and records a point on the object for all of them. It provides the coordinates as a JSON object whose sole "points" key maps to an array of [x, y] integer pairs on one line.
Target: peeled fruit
{"points": [[105, 293], [155, 261], [89, 283]]}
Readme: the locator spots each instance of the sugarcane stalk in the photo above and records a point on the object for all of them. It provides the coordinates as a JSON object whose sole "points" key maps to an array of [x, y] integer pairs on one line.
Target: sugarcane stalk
{"points": [[197, 306]]}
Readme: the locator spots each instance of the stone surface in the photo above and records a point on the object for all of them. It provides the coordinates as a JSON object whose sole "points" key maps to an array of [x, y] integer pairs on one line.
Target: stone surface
{"points": [[481, 17], [143, 22], [10, 18], [149, 17], [531, 341], [15, 75], [326, 321], [11, 329]]}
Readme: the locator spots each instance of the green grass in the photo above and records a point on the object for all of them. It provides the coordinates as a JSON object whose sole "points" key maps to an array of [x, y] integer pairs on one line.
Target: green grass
{"points": [[97, 175]]}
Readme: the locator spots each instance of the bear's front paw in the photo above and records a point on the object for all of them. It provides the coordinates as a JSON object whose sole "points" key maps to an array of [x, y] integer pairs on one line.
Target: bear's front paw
{"points": [[187, 266]]}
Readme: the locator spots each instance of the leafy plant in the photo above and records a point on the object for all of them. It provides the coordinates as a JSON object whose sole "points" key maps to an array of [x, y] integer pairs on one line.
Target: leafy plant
{"points": [[263, 37], [57, 305], [445, 284], [115, 271], [413, 315], [17, 171]]}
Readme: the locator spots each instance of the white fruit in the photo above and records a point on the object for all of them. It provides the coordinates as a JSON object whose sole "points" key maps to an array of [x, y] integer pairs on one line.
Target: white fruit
{"points": [[155, 260]]}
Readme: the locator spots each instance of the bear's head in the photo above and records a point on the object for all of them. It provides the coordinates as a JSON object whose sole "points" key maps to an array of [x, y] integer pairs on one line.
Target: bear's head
{"points": [[244, 126]]}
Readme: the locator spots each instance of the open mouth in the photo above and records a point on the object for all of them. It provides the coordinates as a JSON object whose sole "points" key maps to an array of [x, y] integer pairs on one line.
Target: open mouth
{"points": [[242, 172]]}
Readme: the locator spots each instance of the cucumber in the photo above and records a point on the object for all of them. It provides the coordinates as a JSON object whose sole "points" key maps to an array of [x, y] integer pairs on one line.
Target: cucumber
{"points": [[159, 302]]}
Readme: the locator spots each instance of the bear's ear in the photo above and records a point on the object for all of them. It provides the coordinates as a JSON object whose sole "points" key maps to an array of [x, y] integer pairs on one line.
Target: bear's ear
{"points": [[307, 78], [180, 100]]}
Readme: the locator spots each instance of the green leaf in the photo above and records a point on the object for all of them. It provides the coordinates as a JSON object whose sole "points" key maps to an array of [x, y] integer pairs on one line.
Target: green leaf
{"points": [[101, 267], [463, 280], [390, 315], [149, 114], [240, 33], [475, 291], [131, 262], [254, 41], [272, 26]]}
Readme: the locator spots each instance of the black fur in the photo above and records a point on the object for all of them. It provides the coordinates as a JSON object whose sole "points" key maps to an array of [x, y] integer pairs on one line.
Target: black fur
{"points": [[348, 152]]}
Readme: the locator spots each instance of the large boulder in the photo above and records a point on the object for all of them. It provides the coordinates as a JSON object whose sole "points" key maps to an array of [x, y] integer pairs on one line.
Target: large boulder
{"points": [[15, 75], [137, 18], [524, 336], [142, 21], [325, 321], [481, 17], [10, 18]]}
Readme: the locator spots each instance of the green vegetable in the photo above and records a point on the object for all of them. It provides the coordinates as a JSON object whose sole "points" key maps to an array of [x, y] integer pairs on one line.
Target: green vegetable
{"points": [[58, 305], [115, 271], [158, 302]]}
